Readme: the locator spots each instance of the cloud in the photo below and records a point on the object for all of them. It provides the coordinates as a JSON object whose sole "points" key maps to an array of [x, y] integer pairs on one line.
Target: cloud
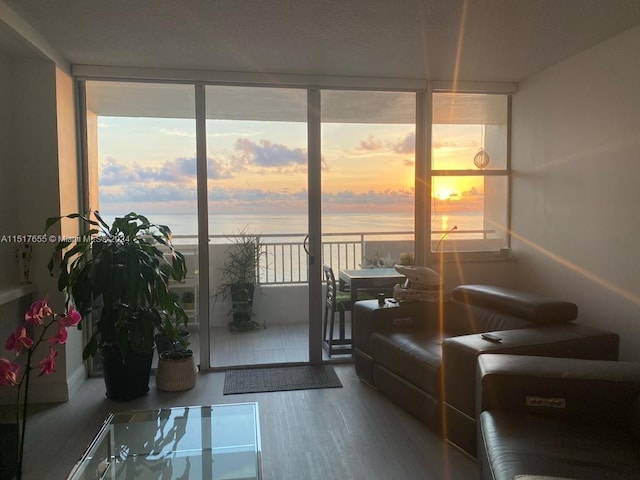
{"points": [[254, 195], [114, 173], [253, 200], [178, 170], [370, 144], [181, 170], [239, 133], [380, 198], [454, 144], [472, 192], [406, 145], [156, 193], [218, 170], [267, 154], [175, 132]]}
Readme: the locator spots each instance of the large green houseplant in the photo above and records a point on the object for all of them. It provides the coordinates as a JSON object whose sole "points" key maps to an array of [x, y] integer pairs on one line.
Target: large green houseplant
{"points": [[117, 276], [238, 279]]}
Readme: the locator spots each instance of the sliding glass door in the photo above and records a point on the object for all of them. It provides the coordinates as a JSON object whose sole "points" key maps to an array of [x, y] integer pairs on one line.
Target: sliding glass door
{"points": [[368, 178], [257, 202], [141, 157], [260, 186]]}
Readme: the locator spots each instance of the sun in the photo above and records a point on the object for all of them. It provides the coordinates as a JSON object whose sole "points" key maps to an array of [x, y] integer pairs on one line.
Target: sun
{"points": [[445, 194]]}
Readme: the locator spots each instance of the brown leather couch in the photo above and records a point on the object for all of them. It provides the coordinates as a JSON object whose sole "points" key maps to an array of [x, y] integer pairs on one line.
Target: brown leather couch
{"points": [[423, 355], [559, 418]]}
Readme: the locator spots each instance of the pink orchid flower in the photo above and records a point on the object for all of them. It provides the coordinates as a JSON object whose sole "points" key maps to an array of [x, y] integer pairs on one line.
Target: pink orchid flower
{"points": [[48, 364], [60, 338], [8, 372], [72, 318], [19, 341], [38, 311]]}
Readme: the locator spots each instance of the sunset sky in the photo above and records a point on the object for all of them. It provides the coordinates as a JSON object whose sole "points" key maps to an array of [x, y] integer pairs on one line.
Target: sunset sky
{"points": [[257, 167]]}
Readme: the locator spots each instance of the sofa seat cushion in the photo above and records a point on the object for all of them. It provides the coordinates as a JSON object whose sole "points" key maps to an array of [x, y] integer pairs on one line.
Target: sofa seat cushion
{"points": [[415, 356], [517, 444]]}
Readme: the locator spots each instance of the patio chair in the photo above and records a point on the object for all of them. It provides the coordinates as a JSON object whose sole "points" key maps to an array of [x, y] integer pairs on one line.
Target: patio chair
{"points": [[340, 302]]}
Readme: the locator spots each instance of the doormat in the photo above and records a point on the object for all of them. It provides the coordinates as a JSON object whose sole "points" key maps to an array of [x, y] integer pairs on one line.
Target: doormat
{"points": [[257, 380]]}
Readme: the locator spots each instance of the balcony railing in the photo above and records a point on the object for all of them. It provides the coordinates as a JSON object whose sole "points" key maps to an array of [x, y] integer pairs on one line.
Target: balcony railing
{"points": [[285, 260]]}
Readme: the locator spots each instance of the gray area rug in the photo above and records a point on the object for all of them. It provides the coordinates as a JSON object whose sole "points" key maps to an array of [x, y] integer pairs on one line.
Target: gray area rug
{"points": [[258, 380]]}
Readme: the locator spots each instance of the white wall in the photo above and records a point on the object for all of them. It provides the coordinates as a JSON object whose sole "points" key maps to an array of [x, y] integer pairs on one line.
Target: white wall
{"points": [[576, 185], [38, 163]]}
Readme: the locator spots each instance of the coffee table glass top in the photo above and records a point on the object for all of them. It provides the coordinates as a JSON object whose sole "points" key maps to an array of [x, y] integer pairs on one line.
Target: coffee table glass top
{"points": [[219, 442]]}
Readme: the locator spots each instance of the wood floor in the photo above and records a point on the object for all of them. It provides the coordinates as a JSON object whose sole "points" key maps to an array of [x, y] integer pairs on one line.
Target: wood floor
{"points": [[338, 433]]}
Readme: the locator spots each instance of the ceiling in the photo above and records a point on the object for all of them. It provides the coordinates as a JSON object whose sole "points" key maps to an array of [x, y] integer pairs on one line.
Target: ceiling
{"points": [[475, 40]]}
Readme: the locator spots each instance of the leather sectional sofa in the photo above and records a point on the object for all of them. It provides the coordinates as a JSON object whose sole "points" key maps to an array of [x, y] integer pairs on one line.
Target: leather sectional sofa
{"points": [[543, 417], [423, 355]]}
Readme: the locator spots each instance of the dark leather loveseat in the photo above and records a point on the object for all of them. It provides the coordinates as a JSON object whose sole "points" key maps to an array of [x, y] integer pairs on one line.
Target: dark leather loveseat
{"points": [[423, 355], [545, 417]]}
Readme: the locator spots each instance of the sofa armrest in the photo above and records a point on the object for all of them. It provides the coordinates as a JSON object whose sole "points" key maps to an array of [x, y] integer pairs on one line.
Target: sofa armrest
{"points": [[460, 357], [570, 340], [369, 317], [591, 391]]}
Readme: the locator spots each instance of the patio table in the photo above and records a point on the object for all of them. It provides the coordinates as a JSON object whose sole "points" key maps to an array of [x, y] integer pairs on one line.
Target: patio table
{"points": [[372, 279]]}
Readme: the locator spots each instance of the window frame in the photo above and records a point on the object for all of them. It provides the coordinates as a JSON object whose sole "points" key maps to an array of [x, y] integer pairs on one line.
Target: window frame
{"points": [[424, 88], [478, 255]]}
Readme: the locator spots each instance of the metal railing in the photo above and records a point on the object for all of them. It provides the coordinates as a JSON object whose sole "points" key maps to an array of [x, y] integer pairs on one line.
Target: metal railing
{"points": [[284, 260]]}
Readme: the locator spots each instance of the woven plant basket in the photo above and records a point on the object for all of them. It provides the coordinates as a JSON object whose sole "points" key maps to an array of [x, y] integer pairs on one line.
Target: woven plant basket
{"points": [[176, 375]]}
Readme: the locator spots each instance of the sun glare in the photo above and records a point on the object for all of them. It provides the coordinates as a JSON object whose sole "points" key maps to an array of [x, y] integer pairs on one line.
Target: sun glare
{"points": [[445, 193]]}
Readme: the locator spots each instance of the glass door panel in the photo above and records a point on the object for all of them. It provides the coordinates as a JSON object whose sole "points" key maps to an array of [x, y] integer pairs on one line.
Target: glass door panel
{"points": [[257, 201], [141, 155], [368, 179]]}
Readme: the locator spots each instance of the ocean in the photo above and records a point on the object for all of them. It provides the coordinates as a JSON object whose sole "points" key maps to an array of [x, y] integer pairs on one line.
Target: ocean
{"points": [[226, 225], [347, 238]]}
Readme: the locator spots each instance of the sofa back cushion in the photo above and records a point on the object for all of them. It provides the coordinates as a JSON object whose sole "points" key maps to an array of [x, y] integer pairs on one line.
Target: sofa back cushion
{"points": [[527, 306]]}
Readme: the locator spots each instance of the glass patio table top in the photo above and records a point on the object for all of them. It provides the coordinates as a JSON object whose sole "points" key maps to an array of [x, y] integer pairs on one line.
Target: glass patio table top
{"points": [[218, 442]]}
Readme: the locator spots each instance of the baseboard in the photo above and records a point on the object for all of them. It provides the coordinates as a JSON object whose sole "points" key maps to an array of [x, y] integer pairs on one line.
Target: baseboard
{"points": [[75, 381]]}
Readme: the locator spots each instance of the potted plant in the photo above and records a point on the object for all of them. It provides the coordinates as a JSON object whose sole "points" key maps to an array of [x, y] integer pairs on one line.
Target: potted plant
{"points": [[177, 370], [238, 279], [114, 276], [188, 299]]}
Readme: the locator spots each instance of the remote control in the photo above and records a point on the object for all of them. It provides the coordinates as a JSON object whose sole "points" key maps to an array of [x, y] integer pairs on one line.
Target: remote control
{"points": [[491, 338]]}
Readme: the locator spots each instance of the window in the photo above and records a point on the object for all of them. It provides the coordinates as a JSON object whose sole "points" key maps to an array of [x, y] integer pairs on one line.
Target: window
{"points": [[470, 172]]}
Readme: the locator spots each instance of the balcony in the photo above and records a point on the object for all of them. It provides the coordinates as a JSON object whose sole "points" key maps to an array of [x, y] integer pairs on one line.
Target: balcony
{"points": [[281, 298]]}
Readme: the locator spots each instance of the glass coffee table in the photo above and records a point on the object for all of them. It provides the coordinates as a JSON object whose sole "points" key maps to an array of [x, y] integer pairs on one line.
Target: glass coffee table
{"points": [[219, 442]]}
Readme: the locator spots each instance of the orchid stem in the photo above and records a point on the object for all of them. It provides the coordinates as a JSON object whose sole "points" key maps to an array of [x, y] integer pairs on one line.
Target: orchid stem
{"points": [[22, 426]]}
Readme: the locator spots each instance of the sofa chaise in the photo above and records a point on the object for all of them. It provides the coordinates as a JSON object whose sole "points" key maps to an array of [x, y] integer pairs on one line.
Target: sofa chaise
{"points": [[541, 417], [423, 355]]}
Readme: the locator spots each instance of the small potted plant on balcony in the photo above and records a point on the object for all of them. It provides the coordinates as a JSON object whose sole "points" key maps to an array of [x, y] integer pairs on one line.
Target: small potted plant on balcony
{"points": [[238, 282], [113, 276], [188, 299]]}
